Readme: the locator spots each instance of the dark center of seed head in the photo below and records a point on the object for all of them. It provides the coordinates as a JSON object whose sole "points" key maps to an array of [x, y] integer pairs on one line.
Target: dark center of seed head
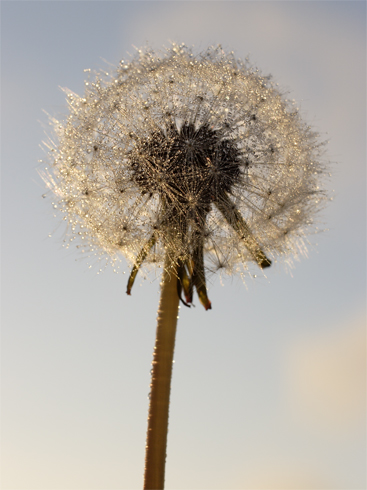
{"points": [[178, 163]]}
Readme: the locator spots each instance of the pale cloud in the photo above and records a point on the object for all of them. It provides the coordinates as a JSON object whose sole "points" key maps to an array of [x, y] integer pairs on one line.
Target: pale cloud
{"points": [[326, 375], [269, 476]]}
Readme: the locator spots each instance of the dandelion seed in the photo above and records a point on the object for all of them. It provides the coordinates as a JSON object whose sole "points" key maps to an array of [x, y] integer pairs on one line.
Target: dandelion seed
{"points": [[219, 147], [190, 163]]}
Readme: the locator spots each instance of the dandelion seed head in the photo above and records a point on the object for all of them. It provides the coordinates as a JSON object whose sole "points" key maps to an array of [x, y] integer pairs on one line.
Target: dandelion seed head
{"points": [[197, 150]]}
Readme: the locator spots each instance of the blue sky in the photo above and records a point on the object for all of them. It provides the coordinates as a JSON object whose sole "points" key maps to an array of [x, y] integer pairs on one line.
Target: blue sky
{"points": [[269, 387]]}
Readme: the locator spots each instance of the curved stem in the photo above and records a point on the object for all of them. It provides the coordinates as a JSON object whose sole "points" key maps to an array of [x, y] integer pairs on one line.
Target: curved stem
{"points": [[155, 456]]}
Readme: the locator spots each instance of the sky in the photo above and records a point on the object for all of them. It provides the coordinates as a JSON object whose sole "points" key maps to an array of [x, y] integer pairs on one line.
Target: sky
{"points": [[268, 387]]}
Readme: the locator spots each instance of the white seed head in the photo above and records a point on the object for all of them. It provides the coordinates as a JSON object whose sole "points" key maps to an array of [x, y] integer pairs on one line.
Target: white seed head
{"points": [[193, 150]]}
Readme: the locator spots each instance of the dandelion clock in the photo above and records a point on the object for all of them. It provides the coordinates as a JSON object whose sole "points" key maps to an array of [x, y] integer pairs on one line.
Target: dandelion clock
{"points": [[190, 163]]}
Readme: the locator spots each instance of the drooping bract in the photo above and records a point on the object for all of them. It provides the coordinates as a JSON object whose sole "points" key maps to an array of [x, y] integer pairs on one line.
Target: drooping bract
{"points": [[200, 155]]}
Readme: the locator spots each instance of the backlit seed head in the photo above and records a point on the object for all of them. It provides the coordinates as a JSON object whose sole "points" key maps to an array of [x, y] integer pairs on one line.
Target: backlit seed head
{"points": [[196, 154]]}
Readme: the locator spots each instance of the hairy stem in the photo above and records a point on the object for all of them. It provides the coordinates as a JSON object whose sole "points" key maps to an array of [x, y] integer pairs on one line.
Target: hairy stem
{"points": [[155, 456]]}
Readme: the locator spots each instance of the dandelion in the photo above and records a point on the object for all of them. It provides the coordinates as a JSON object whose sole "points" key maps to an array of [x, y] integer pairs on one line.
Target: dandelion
{"points": [[194, 163]]}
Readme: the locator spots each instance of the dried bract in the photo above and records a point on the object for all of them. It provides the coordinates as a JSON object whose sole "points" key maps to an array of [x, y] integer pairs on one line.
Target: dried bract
{"points": [[198, 156]]}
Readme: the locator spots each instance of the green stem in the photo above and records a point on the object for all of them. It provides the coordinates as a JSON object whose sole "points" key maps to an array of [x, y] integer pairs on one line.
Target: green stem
{"points": [[155, 456]]}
